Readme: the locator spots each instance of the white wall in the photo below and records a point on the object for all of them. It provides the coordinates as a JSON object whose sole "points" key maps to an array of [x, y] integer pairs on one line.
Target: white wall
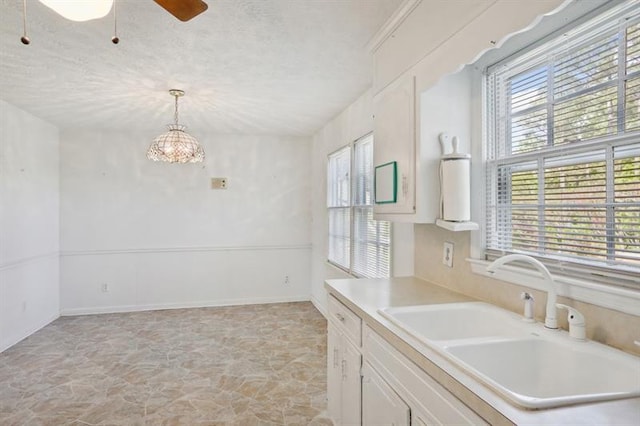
{"points": [[354, 122], [29, 224], [158, 236]]}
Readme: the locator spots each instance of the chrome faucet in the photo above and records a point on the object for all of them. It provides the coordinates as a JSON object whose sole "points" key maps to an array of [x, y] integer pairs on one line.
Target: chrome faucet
{"points": [[550, 320]]}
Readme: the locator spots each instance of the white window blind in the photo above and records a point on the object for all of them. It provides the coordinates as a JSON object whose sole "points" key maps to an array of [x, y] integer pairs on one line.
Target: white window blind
{"points": [[339, 204], [357, 243], [563, 153]]}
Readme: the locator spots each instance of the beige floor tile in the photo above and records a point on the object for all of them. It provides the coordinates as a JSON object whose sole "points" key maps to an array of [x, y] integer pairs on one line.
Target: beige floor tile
{"points": [[242, 365]]}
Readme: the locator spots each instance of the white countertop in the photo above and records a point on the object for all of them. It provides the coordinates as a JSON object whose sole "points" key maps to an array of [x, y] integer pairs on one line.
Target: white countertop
{"points": [[366, 296]]}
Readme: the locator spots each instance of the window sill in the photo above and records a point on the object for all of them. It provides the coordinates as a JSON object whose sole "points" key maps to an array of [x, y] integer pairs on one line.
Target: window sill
{"points": [[616, 298], [339, 270]]}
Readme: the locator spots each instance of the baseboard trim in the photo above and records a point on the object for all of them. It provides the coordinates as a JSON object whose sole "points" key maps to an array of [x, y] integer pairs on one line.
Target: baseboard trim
{"points": [[181, 305], [6, 345], [319, 307]]}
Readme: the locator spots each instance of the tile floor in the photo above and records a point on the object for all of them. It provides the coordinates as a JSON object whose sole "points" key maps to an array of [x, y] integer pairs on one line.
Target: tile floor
{"points": [[240, 365]]}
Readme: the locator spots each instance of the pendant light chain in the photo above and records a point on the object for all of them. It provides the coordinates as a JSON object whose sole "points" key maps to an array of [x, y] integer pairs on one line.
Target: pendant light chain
{"points": [[175, 113], [24, 17], [25, 38], [115, 39]]}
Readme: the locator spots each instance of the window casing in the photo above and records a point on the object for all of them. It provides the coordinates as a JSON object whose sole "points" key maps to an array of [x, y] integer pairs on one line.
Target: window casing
{"points": [[357, 243], [563, 150]]}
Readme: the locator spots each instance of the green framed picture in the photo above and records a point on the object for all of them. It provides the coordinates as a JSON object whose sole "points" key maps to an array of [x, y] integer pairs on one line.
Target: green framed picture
{"points": [[385, 183]]}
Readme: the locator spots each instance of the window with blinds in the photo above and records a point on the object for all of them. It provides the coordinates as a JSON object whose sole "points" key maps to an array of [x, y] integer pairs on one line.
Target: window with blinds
{"points": [[339, 205], [357, 243], [563, 153]]}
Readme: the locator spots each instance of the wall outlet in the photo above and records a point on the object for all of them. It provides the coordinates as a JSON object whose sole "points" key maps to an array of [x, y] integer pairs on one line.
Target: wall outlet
{"points": [[286, 280], [104, 287], [447, 254], [218, 183]]}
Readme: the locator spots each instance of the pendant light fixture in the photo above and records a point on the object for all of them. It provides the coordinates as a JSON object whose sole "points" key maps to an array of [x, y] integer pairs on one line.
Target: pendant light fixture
{"points": [[80, 11], [176, 146]]}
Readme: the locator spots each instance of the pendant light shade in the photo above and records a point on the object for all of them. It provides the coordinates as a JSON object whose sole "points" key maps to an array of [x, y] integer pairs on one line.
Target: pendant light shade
{"points": [[79, 11], [176, 146]]}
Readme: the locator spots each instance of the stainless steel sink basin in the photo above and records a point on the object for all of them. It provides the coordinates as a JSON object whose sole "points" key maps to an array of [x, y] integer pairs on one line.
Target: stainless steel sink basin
{"points": [[541, 373], [528, 364]]}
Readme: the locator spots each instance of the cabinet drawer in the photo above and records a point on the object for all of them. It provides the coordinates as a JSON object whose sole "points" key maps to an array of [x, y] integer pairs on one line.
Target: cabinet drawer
{"points": [[345, 321], [423, 394]]}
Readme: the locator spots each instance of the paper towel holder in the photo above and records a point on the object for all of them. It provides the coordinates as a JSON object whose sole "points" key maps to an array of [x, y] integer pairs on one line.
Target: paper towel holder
{"points": [[457, 226], [449, 155]]}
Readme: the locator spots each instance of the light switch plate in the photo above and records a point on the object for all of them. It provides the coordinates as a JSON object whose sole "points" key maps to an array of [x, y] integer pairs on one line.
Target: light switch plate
{"points": [[218, 183], [447, 254]]}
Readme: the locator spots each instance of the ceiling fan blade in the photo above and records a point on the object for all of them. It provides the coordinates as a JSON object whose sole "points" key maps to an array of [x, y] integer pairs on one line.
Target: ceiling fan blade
{"points": [[183, 9]]}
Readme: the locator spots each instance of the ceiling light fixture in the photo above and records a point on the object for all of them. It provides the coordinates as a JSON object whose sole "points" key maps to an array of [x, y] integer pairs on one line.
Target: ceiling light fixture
{"points": [[176, 146], [80, 11], [86, 10]]}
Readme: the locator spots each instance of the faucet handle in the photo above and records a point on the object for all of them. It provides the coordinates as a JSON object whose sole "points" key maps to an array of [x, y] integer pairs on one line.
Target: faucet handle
{"points": [[577, 323]]}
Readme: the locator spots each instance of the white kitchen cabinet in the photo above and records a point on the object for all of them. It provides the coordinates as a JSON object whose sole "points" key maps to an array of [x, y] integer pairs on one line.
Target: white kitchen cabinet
{"points": [[428, 401], [351, 384], [408, 133], [334, 373], [344, 363], [369, 382], [395, 141], [423, 44], [380, 404], [418, 421]]}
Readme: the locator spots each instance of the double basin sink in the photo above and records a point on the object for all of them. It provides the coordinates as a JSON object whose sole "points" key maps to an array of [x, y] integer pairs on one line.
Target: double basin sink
{"points": [[529, 365]]}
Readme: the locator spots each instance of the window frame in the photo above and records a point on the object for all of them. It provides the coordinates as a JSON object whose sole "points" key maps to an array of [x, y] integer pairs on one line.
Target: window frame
{"points": [[348, 208], [352, 207], [616, 275]]}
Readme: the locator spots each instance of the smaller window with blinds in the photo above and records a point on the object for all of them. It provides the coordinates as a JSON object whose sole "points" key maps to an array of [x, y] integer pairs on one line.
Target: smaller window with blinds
{"points": [[563, 153], [357, 243]]}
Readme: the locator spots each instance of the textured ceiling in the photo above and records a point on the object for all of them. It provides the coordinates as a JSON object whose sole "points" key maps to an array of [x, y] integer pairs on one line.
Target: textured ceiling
{"points": [[247, 66]]}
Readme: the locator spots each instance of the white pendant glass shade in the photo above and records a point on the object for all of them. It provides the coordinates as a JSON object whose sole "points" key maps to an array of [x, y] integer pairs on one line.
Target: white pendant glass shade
{"points": [[80, 10], [176, 146]]}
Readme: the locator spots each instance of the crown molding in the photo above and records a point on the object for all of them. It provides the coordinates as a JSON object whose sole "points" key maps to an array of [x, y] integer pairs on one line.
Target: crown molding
{"points": [[392, 24]]}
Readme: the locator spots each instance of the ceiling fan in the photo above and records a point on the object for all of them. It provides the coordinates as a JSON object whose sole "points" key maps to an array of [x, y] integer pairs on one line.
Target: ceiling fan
{"points": [[86, 10], [184, 10]]}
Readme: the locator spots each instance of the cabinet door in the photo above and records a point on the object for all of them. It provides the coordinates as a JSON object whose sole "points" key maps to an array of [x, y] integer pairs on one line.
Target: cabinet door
{"points": [[418, 421], [380, 404], [351, 384], [334, 373], [394, 140], [429, 400]]}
